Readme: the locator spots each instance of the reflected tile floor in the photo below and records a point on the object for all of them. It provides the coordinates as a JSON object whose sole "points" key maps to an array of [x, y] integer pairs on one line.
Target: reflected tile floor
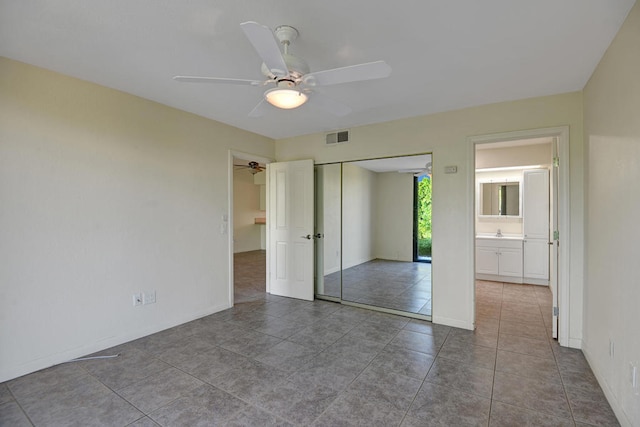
{"points": [[272, 361], [404, 286]]}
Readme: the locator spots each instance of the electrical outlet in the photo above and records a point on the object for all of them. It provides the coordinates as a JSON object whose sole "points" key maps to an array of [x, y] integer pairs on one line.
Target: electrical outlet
{"points": [[149, 297], [137, 300]]}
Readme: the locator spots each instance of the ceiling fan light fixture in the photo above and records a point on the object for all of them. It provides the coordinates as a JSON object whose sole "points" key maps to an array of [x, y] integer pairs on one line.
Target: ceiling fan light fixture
{"points": [[285, 98]]}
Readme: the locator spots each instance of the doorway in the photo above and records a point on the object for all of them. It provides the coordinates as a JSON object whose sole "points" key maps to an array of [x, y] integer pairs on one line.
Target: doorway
{"points": [[244, 223], [422, 216], [490, 229]]}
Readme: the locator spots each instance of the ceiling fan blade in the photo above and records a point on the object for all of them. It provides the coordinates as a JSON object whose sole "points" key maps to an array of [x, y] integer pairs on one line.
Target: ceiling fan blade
{"points": [[195, 79], [259, 109], [352, 73], [265, 43], [327, 104]]}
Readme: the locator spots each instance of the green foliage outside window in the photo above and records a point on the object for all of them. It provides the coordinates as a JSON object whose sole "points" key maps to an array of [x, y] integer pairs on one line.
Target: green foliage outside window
{"points": [[424, 217]]}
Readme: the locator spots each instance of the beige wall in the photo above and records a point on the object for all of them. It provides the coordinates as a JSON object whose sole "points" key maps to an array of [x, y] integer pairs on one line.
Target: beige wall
{"points": [[445, 135], [612, 291], [358, 215], [394, 216], [247, 235], [104, 194]]}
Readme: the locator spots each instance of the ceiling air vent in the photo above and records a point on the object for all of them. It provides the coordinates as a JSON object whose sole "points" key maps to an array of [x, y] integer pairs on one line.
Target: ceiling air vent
{"points": [[337, 137]]}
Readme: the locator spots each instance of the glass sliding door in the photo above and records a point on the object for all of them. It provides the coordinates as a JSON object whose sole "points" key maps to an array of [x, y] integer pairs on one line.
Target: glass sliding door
{"points": [[422, 217]]}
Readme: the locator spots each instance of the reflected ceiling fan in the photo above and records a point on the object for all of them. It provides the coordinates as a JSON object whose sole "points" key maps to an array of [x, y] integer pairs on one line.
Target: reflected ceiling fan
{"points": [[427, 170], [253, 167], [291, 75]]}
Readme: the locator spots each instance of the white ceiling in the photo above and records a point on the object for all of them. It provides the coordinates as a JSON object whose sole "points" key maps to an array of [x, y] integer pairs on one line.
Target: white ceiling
{"points": [[445, 54]]}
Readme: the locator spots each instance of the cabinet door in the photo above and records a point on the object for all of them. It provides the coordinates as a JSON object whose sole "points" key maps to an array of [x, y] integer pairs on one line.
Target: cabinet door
{"points": [[536, 259], [535, 204], [486, 260], [510, 262]]}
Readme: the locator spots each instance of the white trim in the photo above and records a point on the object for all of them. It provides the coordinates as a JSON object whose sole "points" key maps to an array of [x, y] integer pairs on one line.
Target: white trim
{"points": [[497, 278], [456, 323], [67, 355], [230, 156], [562, 133]]}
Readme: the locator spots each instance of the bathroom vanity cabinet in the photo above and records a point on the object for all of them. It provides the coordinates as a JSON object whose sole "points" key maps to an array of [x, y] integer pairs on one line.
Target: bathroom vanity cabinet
{"points": [[499, 259]]}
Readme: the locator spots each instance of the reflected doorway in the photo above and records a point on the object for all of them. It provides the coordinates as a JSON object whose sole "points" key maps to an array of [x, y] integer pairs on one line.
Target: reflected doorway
{"points": [[422, 216]]}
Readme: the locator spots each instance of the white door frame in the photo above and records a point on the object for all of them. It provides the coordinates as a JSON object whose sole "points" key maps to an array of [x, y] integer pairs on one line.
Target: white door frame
{"points": [[229, 222], [564, 223]]}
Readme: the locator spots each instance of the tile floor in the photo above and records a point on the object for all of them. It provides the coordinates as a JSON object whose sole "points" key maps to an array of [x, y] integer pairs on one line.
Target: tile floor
{"points": [[404, 286], [272, 361]]}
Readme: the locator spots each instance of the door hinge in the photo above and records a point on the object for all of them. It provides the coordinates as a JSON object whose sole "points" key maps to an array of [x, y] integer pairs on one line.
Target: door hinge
{"points": [[555, 311], [556, 161], [556, 235]]}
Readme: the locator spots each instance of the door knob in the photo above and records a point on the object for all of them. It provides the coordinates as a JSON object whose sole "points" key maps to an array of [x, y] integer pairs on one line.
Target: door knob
{"points": [[308, 237]]}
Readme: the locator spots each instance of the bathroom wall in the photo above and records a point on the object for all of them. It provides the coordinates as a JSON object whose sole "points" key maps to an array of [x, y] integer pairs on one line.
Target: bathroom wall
{"points": [[537, 153]]}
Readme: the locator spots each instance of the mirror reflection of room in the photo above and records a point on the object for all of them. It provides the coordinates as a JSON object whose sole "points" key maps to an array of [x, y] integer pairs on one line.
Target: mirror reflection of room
{"points": [[499, 198], [382, 256]]}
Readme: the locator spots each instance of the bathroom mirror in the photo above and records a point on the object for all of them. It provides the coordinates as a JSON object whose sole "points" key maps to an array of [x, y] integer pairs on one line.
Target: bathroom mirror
{"points": [[499, 198]]}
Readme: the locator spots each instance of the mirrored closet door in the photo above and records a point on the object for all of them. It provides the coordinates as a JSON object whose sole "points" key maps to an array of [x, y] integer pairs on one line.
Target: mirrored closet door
{"points": [[371, 233]]}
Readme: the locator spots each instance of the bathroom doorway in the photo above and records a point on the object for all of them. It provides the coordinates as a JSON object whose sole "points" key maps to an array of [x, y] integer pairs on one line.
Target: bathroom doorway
{"points": [[517, 248]]}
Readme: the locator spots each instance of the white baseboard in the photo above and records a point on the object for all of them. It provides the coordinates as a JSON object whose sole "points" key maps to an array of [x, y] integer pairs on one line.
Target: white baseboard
{"points": [[102, 344], [615, 405], [496, 278], [456, 323], [575, 343]]}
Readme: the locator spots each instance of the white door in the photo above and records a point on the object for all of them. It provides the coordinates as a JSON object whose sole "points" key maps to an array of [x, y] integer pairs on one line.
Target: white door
{"points": [[486, 259], [553, 238], [536, 259], [535, 204], [510, 263], [290, 221]]}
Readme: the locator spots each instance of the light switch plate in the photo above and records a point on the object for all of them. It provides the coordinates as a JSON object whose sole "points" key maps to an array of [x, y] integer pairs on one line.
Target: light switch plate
{"points": [[149, 297], [137, 300]]}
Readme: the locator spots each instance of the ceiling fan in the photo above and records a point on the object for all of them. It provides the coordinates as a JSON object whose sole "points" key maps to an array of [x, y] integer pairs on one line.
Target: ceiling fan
{"points": [[427, 170], [253, 167], [291, 75]]}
